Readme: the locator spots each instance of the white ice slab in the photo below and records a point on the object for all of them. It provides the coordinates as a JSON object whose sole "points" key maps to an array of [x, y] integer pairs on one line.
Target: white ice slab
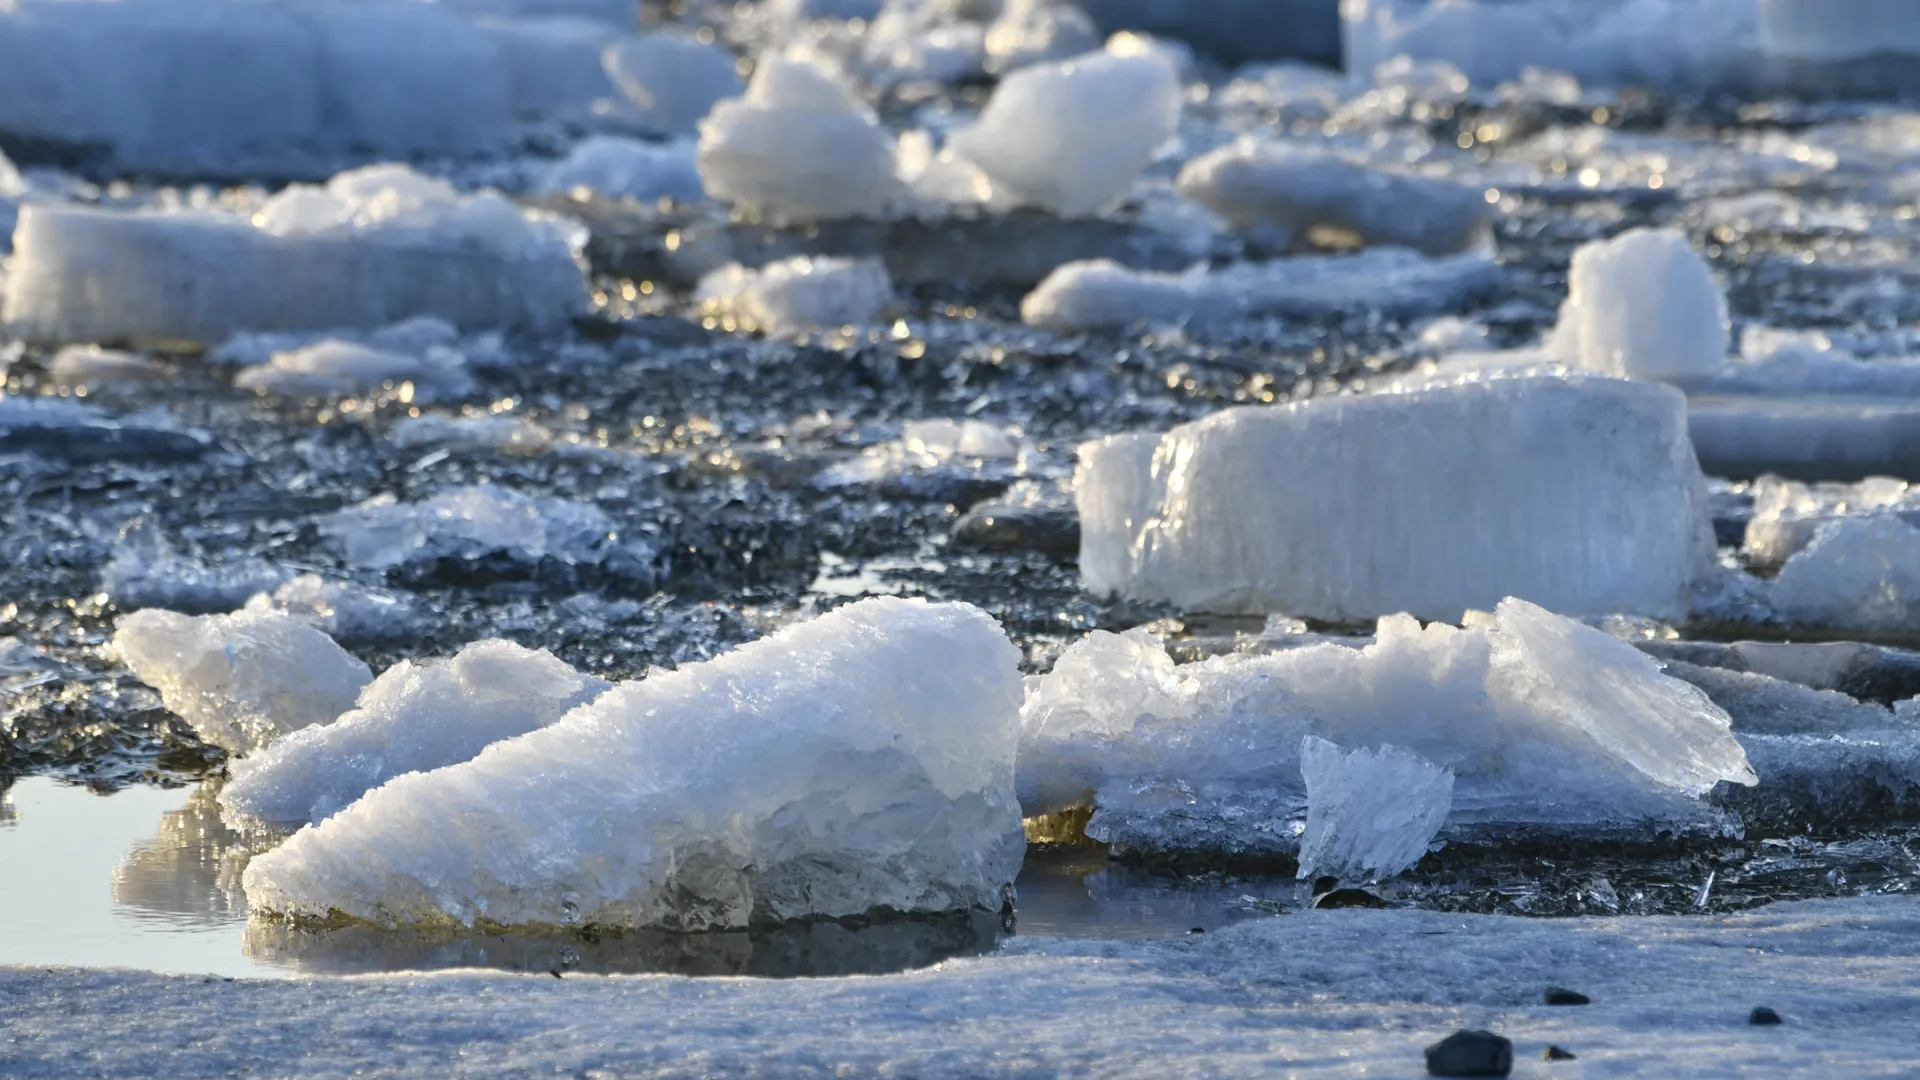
{"points": [[1287, 192], [414, 718], [1579, 494], [242, 680], [861, 760], [1068, 137]]}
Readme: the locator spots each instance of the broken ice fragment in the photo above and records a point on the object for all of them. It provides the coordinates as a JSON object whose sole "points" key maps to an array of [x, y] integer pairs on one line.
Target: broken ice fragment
{"points": [[1371, 813], [334, 368], [470, 523], [674, 80], [790, 297], [860, 761], [1859, 573], [242, 680], [413, 718], [1643, 305]]}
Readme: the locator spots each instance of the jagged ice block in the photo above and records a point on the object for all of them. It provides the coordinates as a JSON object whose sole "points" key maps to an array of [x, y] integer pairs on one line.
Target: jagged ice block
{"points": [[1370, 813]]}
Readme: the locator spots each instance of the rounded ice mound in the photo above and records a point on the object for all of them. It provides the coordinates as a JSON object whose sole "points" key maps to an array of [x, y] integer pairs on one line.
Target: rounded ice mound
{"points": [[799, 294], [799, 147], [860, 761], [1324, 197], [242, 680], [1643, 305], [674, 80], [617, 168], [413, 718], [1070, 136]]}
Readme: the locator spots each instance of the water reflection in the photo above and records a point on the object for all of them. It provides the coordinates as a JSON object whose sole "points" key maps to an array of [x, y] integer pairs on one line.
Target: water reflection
{"points": [[1078, 893], [190, 870], [854, 947]]}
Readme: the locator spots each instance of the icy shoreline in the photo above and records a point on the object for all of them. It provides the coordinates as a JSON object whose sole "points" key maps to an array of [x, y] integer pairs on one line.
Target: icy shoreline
{"points": [[1322, 994]]}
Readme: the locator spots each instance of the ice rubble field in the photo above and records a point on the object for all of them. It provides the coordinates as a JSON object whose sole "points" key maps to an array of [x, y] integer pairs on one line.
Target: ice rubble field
{"points": [[477, 442]]}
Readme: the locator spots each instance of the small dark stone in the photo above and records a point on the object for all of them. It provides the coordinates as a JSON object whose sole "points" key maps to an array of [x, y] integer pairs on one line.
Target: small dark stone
{"points": [[1560, 995], [555, 972], [1347, 898], [1554, 1053], [1763, 1017], [1198, 930], [1470, 1053], [1325, 883]]}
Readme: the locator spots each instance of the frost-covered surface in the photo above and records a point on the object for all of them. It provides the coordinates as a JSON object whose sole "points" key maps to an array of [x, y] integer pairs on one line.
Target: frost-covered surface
{"points": [[339, 609], [862, 760], [1269, 185], [799, 147], [674, 81], [374, 247], [242, 680], [1859, 573], [414, 718], [1580, 494], [1371, 813], [1547, 725], [1068, 137], [470, 523], [1103, 295], [1643, 305], [619, 167], [794, 296], [1670, 997], [1786, 513]]}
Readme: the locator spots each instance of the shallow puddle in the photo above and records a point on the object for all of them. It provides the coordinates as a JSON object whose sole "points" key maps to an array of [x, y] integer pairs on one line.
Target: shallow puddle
{"points": [[149, 878]]}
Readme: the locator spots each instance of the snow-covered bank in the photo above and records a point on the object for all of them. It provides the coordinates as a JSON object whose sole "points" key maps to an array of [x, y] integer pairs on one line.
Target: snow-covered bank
{"points": [[1318, 994]]}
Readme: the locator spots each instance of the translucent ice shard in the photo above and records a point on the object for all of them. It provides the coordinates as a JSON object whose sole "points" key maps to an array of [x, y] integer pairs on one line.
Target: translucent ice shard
{"points": [[1068, 137], [1578, 494], [1548, 726], [467, 524], [413, 718], [799, 147], [860, 761], [792, 296], [1269, 185], [1370, 813], [242, 680], [1643, 305]]}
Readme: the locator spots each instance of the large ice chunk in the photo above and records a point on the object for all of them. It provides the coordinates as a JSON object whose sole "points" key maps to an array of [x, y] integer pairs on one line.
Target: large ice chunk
{"points": [[1786, 513], [860, 761], [796, 295], [242, 680], [1370, 813], [413, 718], [1103, 295], [375, 247], [675, 81], [1859, 573], [1070, 136], [799, 147], [467, 524], [1263, 184], [1547, 725], [1643, 305], [1578, 494]]}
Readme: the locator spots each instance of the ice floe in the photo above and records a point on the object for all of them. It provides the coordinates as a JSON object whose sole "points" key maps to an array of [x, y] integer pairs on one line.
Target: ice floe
{"points": [[417, 716], [1579, 494], [1314, 195], [794, 296], [860, 761], [1547, 725], [467, 524], [242, 680], [1068, 137]]}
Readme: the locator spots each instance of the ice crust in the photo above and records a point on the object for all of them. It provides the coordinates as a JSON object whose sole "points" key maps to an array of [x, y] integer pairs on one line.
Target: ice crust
{"points": [[470, 523], [415, 717], [1579, 494], [628, 168], [799, 147], [797, 295], [375, 247], [1548, 726], [242, 680], [1642, 305], [1068, 137], [860, 761], [1289, 192], [1104, 295], [1370, 813], [675, 81]]}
